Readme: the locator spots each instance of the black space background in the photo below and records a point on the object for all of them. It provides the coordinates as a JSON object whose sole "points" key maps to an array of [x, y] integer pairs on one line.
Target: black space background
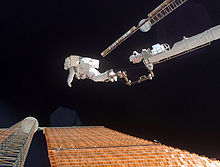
{"points": [[179, 107]]}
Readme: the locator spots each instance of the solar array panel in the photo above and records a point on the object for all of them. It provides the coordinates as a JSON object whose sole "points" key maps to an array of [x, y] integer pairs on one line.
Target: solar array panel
{"points": [[100, 146]]}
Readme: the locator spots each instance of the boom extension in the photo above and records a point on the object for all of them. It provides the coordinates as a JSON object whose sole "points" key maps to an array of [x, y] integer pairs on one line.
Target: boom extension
{"points": [[161, 53]]}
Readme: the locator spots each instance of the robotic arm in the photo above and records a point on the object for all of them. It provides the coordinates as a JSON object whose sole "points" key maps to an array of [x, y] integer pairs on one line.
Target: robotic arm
{"points": [[137, 58], [162, 52]]}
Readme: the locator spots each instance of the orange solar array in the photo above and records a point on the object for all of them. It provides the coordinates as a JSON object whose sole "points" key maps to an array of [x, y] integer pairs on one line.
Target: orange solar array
{"points": [[100, 146]]}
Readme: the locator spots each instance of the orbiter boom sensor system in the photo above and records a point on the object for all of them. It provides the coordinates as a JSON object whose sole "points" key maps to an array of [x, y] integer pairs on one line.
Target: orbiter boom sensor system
{"points": [[161, 53], [145, 24]]}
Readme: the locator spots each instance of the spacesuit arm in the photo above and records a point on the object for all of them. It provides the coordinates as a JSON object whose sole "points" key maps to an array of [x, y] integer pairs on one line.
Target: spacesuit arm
{"points": [[71, 76]]}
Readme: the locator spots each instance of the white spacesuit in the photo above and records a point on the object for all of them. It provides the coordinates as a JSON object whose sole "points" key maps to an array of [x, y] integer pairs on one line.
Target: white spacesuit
{"points": [[84, 67]]}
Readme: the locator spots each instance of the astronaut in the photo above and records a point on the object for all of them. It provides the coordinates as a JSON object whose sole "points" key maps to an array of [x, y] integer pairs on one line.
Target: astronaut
{"points": [[84, 67]]}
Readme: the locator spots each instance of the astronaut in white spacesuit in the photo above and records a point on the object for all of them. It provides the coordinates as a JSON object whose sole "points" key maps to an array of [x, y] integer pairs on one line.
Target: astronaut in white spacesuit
{"points": [[84, 67]]}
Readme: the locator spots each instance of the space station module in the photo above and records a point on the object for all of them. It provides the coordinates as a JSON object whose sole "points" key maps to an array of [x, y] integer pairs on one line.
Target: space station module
{"points": [[84, 67]]}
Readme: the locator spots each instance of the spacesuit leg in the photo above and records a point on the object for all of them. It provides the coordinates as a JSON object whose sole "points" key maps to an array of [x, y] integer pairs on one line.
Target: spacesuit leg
{"points": [[96, 76], [70, 76]]}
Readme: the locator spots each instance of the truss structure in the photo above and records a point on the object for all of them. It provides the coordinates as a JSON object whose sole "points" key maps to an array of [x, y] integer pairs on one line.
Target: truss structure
{"points": [[155, 16]]}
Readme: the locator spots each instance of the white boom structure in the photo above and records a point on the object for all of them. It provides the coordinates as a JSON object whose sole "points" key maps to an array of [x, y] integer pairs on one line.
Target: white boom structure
{"points": [[163, 52], [184, 46], [145, 25]]}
